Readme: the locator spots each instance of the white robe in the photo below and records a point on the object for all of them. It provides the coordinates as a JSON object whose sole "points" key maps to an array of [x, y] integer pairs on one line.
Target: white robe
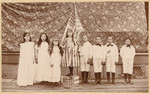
{"points": [[111, 55], [56, 61], [43, 66], [98, 54], [26, 66], [127, 54], [85, 53]]}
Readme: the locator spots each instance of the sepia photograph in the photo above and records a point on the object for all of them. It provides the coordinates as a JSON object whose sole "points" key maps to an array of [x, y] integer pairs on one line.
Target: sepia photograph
{"points": [[99, 46]]}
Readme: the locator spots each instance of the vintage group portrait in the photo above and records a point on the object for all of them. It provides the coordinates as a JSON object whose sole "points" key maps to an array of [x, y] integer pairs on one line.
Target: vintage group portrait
{"points": [[95, 46]]}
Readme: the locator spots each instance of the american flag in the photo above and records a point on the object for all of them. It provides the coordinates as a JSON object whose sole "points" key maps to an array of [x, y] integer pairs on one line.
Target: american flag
{"points": [[74, 24]]}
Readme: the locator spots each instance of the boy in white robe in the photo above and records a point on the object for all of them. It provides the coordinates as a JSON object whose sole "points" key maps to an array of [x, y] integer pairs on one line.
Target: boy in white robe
{"points": [[85, 58], [127, 53], [98, 58], [111, 59]]}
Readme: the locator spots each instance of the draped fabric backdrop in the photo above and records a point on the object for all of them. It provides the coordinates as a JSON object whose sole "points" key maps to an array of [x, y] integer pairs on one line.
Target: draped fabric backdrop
{"points": [[118, 19]]}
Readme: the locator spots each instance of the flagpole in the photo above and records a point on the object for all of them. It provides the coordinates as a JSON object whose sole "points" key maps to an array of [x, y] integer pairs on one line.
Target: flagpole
{"points": [[76, 36]]}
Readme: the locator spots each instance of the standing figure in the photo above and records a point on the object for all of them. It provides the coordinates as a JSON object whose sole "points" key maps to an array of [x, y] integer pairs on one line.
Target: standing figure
{"points": [[127, 53], [85, 51], [42, 57], [26, 62], [98, 55], [69, 55], [111, 59], [56, 53]]}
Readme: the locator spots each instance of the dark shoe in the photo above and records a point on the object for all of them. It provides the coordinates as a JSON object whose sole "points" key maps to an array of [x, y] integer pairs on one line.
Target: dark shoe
{"points": [[71, 74], [87, 82], [82, 82], [108, 82], [130, 83], [113, 82], [99, 82], [125, 82], [96, 82], [52, 85], [68, 74]]}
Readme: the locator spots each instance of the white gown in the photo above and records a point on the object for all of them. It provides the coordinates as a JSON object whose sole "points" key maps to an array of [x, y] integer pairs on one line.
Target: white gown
{"points": [[56, 61], [26, 66], [43, 66]]}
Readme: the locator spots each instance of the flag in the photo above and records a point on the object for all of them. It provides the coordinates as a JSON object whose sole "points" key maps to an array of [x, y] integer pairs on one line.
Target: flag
{"points": [[74, 24]]}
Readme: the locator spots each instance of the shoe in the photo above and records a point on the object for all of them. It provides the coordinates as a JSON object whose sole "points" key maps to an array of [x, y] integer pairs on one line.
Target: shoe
{"points": [[99, 82], [113, 82], [87, 82], [130, 83], [68, 74], [82, 82], [52, 85], [96, 82], [108, 82], [125, 82], [71, 74]]}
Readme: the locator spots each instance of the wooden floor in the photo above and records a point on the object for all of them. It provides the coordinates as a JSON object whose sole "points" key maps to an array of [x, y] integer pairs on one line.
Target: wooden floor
{"points": [[140, 85]]}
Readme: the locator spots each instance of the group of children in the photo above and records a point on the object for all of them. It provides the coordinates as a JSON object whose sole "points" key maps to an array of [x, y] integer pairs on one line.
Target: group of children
{"points": [[106, 55], [41, 62]]}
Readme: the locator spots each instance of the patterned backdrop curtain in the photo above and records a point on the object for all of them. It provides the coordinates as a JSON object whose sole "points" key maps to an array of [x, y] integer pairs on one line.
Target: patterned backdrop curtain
{"points": [[118, 19]]}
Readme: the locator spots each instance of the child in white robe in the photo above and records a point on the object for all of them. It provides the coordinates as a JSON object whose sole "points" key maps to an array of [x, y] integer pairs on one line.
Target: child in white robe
{"points": [[26, 62], [98, 54], [42, 57], [56, 53]]}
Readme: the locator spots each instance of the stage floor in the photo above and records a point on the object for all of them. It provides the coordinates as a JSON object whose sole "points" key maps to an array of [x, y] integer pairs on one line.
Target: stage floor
{"points": [[140, 85]]}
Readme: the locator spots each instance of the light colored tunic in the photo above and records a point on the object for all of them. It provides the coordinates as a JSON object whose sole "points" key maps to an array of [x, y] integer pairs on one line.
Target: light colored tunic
{"points": [[43, 66], [127, 54], [111, 56], [26, 66], [55, 59]]}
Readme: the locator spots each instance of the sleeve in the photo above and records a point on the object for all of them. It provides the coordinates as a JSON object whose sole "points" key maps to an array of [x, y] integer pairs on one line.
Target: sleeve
{"points": [[90, 51], [116, 54], [36, 47], [104, 52], [63, 43], [20, 46], [133, 52], [121, 52]]}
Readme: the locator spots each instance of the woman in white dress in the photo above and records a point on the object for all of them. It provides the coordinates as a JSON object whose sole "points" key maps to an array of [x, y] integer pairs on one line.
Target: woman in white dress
{"points": [[42, 57], [56, 53], [26, 62]]}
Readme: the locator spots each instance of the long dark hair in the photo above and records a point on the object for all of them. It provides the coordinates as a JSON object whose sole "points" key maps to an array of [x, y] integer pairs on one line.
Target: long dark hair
{"points": [[24, 36], [60, 48], [40, 40]]}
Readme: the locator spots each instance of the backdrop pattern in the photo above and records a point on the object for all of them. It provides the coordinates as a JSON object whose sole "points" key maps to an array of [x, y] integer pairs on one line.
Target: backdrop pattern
{"points": [[119, 19]]}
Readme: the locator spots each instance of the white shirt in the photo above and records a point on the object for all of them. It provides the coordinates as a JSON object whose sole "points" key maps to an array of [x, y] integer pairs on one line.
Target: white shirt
{"points": [[86, 49], [111, 51], [127, 52], [98, 52]]}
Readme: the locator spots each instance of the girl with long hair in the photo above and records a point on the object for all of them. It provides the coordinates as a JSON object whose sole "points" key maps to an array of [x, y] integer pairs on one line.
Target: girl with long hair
{"points": [[26, 62], [42, 57], [56, 53]]}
